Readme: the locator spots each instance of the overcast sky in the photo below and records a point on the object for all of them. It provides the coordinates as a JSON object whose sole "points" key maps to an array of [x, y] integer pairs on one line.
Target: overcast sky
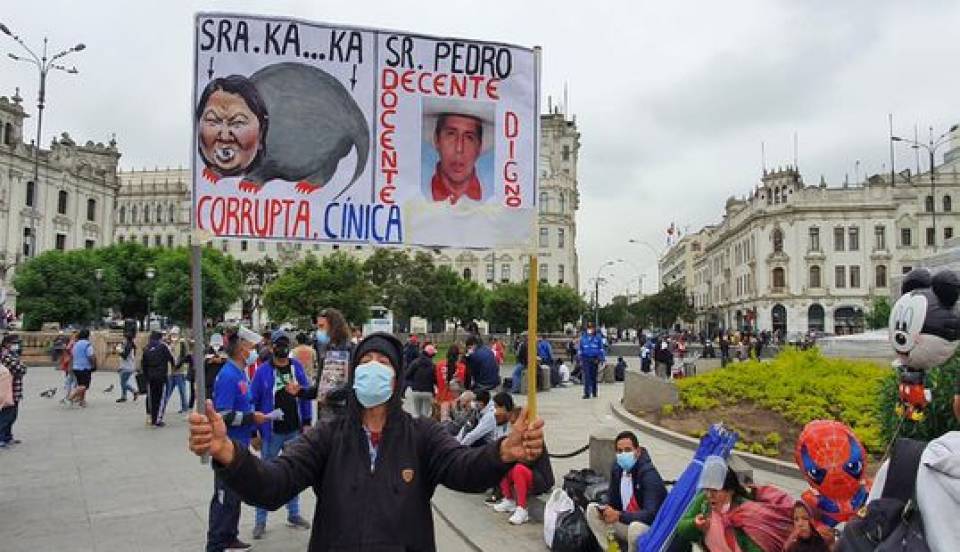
{"points": [[672, 98]]}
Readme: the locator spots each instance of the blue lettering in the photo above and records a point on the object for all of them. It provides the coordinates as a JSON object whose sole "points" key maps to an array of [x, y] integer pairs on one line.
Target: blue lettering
{"points": [[326, 221], [394, 222], [355, 217], [373, 222]]}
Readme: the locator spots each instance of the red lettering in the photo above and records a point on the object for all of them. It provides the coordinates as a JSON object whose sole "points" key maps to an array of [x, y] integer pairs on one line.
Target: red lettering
{"points": [[513, 201], [493, 89], [262, 223], [200, 203], [386, 139], [458, 87], [392, 96], [476, 81], [217, 221], [246, 220], [406, 81], [386, 194], [286, 217], [303, 216], [275, 209], [439, 84], [391, 82], [511, 125], [510, 173]]}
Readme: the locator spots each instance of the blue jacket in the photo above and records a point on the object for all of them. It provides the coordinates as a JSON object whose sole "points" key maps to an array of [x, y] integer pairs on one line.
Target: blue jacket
{"points": [[545, 352], [231, 395], [648, 487], [591, 347], [263, 395], [482, 368]]}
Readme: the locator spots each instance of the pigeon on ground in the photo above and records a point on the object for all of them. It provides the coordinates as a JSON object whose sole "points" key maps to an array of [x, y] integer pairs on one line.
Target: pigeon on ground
{"points": [[108, 389]]}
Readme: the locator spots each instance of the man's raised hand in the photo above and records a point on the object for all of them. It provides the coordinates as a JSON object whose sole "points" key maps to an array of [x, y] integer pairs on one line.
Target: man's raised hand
{"points": [[208, 435]]}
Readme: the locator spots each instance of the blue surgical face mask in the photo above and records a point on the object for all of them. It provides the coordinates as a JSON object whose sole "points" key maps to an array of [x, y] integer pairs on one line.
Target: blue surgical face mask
{"points": [[252, 357], [626, 460], [373, 383], [322, 337]]}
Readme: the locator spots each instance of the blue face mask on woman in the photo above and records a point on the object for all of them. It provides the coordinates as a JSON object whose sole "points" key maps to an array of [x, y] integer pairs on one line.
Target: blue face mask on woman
{"points": [[322, 337], [373, 383], [252, 357], [626, 460]]}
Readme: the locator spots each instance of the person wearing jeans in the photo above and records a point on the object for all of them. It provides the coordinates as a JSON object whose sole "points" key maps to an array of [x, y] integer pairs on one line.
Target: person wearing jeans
{"points": [[128, 356], [281, 384], [178, 375]]}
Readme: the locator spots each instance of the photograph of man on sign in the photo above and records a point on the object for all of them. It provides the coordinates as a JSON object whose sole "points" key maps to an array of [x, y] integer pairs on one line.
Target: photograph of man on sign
{"points": [[457, 155]]}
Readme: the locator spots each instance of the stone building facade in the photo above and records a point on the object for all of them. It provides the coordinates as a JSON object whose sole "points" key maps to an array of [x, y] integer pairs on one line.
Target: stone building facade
{"points": [[794, 258], [71, 204]]}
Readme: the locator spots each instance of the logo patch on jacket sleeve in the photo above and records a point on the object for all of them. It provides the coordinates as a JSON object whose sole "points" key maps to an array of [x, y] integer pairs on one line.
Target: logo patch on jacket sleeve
{"points": [[407, 475]]}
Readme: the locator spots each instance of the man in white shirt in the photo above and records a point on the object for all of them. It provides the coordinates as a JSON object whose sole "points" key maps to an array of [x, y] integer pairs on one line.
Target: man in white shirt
{"points": [[494, 420]]}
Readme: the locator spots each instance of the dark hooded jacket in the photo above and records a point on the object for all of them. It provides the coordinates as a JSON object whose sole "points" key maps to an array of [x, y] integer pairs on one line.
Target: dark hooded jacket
{"points": [[385, 509], [648, 487]]}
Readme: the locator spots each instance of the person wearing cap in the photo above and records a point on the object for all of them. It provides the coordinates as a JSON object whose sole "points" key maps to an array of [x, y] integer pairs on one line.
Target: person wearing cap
{"points": [[281, 384], [724, 515], [592, 355], [374, 469], [10, 359], [422, 376], [156, 364], [636, 493], [232, 407], [213, 360]]}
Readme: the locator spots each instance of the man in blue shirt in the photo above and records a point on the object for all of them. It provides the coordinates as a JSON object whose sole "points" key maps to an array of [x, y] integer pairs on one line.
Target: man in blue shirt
{"points": [[232, 400], [84, 363], [483, 372], [591, 355]]}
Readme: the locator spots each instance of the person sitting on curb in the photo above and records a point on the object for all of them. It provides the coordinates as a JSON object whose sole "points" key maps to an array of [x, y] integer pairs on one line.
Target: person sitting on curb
{"points": [[523, 481], [636, 494], [494, 419]]}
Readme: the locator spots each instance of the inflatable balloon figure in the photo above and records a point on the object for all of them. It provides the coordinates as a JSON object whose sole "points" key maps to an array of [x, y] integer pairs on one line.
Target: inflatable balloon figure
{"points": [[924, 332], [834, 464]]}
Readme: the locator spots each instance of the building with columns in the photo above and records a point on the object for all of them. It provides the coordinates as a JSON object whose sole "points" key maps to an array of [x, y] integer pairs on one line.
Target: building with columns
{"points": [[71, 204], [794, 258]]}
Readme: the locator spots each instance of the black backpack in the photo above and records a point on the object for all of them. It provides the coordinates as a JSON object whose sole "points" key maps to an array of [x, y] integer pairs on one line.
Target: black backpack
{"points": [[892, 522], [584, 486]]}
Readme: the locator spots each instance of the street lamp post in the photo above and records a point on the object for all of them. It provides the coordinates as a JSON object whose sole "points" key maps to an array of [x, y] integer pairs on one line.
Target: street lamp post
{"points": [[596, 293], [657, 254], [44, 65], [98, 274], [151, 272], [931, 148]]}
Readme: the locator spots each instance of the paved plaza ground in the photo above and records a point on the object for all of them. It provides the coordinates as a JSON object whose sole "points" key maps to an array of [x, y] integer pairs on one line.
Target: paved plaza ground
{"points": [[98, 479]]}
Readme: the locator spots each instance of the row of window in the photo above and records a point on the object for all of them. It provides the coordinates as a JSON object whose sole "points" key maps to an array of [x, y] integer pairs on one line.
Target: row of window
{"points": [[848, 239], [840, 272], [63, 201], [542, 269], [546, 203], [545, 237], [145, 240], [156, 215], [928, 203]]}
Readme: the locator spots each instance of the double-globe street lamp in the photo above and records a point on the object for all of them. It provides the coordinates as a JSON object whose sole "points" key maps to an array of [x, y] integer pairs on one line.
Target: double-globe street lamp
{"points": [[98, 274], [44, 65], [150, 273], [931, 148]]}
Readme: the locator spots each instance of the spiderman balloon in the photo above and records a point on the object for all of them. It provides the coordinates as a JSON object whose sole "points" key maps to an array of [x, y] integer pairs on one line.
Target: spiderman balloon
{"points": [[834, 464], [924, 332]]}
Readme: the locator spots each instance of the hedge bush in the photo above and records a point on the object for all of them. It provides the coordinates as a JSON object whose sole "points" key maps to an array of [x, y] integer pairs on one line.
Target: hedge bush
{"points": [[801, 386]]}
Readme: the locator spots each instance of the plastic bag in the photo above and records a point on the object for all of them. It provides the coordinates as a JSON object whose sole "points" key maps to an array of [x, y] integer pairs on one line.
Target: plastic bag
{"points": [[576, 483], [572, 534], [558, 504]]}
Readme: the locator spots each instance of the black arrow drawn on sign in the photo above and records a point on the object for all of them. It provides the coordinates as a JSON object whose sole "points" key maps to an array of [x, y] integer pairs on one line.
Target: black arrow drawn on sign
{"points": [[353, 79], [210, 70]]}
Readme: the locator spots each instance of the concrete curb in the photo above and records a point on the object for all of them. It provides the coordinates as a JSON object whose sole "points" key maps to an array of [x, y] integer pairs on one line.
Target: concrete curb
{"points": [[466, 538], [757, 462]]}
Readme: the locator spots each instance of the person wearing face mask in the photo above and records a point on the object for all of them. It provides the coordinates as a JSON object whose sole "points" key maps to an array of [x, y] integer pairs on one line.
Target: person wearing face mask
{"points": [[156, 364], [725, 516], [281, 384], [635, 495], [592, 355], [178, 374], [232, 406], [374, 469], [213, 360], [334, 351], [10, 359]]}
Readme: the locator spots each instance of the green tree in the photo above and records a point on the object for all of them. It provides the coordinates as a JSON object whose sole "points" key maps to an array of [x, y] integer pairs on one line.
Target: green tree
{"points": [[506, 307], [454, 298], [61, 286], [129, 260], [879, 314], [311, 285], [172, 287], [404, 284], [664, 308], [256, 276], [617, 314]]}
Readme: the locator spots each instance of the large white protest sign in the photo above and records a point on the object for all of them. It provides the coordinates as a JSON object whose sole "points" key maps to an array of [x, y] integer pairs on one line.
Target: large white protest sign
{"points": [[315, 132]]}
